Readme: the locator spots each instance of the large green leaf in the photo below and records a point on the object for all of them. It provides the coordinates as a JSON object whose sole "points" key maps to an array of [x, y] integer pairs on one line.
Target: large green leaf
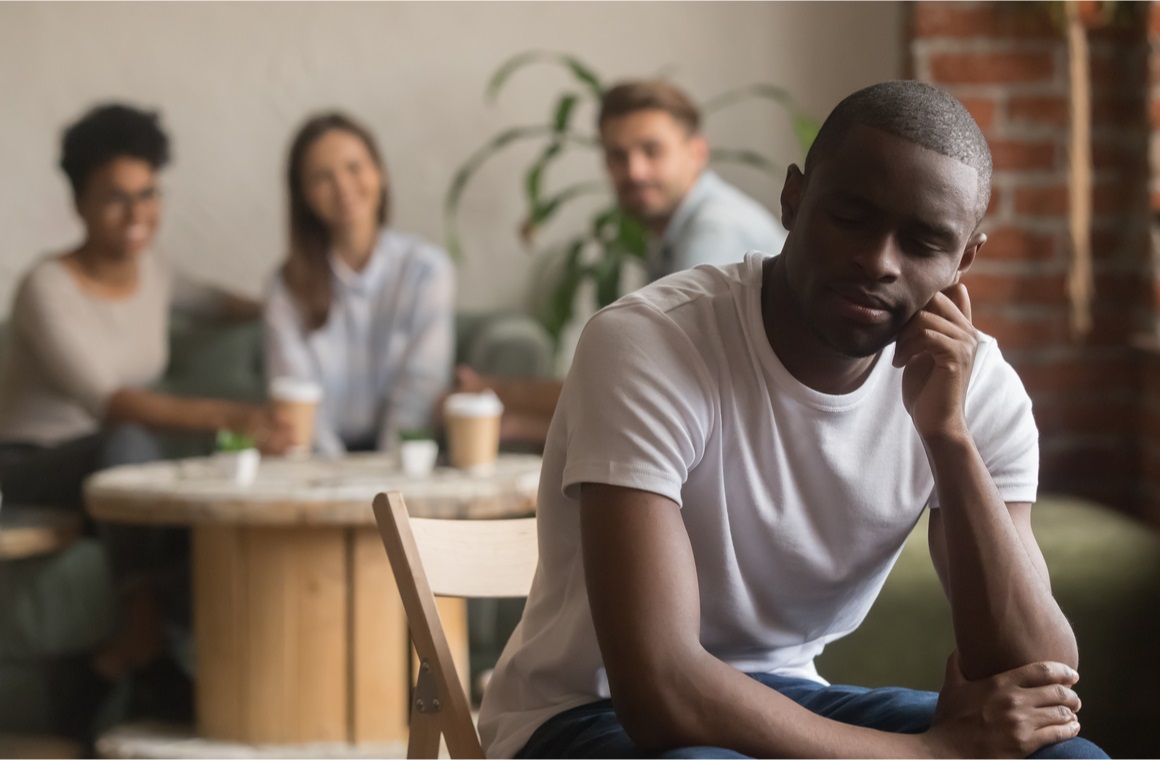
{"points": [[805, 127], [560, 306], [562, 113], [747, 157], [459, 182], [631, 236], [535, 175], [607, 274], [578, 68], [546, 208]]}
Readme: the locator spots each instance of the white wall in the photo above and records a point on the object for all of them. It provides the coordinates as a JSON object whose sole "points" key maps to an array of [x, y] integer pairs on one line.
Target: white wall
{"points": [[233, 80]]}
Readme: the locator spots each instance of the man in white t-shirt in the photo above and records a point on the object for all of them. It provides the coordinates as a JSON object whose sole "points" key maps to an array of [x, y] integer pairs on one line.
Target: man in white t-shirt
{"points": [[738, 456]]}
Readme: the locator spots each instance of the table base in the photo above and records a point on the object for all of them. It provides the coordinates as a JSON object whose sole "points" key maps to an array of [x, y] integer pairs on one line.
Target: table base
{"points": [[301, 636]]}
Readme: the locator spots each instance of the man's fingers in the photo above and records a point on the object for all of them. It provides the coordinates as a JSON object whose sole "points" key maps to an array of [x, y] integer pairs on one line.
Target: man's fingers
{"points": [[1043, 674], [957, 294], [1056, 694]]}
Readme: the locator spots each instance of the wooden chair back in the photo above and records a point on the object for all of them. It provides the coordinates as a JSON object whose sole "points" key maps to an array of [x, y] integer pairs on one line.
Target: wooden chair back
{"points": [[463, 558]]}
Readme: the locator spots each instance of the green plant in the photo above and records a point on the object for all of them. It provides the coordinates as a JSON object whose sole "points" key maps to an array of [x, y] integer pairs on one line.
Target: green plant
{"points": [[599, 252], [228, 440], [417, 434]]}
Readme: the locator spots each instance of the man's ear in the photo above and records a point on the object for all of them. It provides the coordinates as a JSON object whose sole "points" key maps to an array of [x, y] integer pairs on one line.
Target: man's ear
{"points": [[791, 195], [969, 253]]}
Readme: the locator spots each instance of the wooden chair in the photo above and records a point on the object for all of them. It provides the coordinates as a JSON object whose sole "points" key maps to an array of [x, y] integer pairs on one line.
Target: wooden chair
{"points": [[459, 558]]}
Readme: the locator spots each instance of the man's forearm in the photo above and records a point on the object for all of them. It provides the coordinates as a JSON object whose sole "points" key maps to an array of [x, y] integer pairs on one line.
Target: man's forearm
{"points": [[1001, 603], [706, 702]]}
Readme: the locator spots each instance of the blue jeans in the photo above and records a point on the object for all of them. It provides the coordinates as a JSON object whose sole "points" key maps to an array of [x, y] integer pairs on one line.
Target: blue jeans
{"points": [[594, 731]]}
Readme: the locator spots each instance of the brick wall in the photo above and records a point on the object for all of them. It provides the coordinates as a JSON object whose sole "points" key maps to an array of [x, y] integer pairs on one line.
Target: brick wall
{"points": [[1149, 349], [1008, 63]]}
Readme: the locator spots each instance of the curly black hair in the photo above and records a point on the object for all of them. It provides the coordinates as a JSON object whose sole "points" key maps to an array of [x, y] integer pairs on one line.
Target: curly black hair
{"points": [[107, 132]]}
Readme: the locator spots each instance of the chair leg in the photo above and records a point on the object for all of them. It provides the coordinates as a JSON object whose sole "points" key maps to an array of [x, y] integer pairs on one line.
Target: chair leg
{"points": [[423, 741]]}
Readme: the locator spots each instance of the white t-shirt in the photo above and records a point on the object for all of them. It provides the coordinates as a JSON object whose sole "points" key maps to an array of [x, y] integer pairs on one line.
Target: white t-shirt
{"points": [[796, 503]]}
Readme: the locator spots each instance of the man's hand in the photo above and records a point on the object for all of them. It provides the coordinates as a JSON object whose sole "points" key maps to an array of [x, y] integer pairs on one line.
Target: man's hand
{"points": [[1012, 714], [937, 347]]}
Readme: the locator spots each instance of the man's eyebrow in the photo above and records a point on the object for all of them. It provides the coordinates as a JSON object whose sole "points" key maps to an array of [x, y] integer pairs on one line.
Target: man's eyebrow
{"points": [[935, 230]]}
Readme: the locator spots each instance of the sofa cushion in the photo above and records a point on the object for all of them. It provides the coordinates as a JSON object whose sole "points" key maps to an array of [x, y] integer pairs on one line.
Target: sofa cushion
{"points": [[1105, 574]]}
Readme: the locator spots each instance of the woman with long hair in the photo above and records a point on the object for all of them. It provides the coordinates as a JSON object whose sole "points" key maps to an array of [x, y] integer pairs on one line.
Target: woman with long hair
{"points": [[361, 309]]}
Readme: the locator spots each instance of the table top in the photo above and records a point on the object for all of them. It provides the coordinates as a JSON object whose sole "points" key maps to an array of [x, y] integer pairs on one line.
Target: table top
{"points": [[312, 491]]}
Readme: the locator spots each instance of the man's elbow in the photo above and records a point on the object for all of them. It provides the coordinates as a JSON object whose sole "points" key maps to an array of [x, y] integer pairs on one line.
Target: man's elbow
{"points": [[659, 713]]}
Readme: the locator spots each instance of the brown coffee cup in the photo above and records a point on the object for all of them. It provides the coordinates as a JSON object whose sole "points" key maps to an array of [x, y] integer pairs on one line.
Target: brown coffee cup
{"points": [[298, 401], [473, 429]]}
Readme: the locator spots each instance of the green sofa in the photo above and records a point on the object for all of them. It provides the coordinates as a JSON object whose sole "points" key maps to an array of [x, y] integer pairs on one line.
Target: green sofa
{"points": [[1105, 573], [55, 608]]}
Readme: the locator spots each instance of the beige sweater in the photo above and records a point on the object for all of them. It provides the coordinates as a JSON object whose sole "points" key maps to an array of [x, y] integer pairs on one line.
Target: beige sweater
{"points": [[67, 352]]}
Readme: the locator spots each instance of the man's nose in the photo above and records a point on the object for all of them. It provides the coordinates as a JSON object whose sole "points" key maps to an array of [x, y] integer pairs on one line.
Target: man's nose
{"points": [[880, 259], [637, 167]]}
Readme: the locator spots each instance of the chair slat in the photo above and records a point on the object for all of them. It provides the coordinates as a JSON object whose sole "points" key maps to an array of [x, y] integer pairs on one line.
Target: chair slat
{"points": [[470, 558]]}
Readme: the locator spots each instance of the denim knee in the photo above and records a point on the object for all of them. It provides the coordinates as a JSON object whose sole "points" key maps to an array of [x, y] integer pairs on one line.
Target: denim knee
{"points": [[1072, 748], [697, 753]]}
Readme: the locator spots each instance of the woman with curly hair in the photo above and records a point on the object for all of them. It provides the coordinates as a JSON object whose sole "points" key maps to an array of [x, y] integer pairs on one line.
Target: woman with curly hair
{"points": [[86, 340]]}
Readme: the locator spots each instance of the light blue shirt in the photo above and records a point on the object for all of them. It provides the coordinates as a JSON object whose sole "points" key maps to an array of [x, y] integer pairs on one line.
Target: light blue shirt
{"points": [[384, 356], [715, 223]]}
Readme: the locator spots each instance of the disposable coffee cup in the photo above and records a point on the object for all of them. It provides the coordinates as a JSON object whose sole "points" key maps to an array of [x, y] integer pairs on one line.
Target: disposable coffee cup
{"points": [[298, 401], [473, 429]]}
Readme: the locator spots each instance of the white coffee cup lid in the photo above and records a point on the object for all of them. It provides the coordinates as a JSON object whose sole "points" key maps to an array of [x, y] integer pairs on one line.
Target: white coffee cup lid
{"points": [[485, 404], [294, 390]]}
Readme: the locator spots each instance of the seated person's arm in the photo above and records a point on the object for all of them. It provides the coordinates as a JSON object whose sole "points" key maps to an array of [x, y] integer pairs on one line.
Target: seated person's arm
{"points": [[983, 549], [77, 369], [159, 410], [669, 691], [286, 355], [528, 403]]}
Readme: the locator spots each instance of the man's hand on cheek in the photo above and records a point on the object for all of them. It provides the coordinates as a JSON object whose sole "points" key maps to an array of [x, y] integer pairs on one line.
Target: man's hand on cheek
{"points": [[937, 348]]}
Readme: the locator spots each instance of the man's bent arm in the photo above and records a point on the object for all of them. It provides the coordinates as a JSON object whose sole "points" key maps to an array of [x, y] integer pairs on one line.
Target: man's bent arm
{"points": [[991, 568], [668, 691]]}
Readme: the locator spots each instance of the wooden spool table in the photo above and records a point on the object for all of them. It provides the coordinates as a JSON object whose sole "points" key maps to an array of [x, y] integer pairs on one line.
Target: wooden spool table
{"points": [[300, 633]]}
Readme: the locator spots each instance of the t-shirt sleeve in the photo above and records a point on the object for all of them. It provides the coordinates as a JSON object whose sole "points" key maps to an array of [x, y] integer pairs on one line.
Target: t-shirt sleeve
{"points": [[74, 364], [1002, 425], [637, 404]]}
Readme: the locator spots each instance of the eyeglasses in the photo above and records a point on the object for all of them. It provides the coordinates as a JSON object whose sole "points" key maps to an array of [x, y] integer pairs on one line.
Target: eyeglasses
{"points": [[123, 203]]}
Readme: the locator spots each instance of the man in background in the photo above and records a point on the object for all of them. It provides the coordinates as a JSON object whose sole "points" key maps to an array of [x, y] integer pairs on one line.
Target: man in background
{"points": [[657, 160]]}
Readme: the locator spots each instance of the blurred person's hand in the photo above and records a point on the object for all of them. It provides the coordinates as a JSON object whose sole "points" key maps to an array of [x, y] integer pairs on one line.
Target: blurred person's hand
{"points": [[270, 428]]}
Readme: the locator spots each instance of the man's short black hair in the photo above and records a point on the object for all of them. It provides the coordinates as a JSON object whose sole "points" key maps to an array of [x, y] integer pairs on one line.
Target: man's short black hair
{"points": [[915, 111], [108, 132]]}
